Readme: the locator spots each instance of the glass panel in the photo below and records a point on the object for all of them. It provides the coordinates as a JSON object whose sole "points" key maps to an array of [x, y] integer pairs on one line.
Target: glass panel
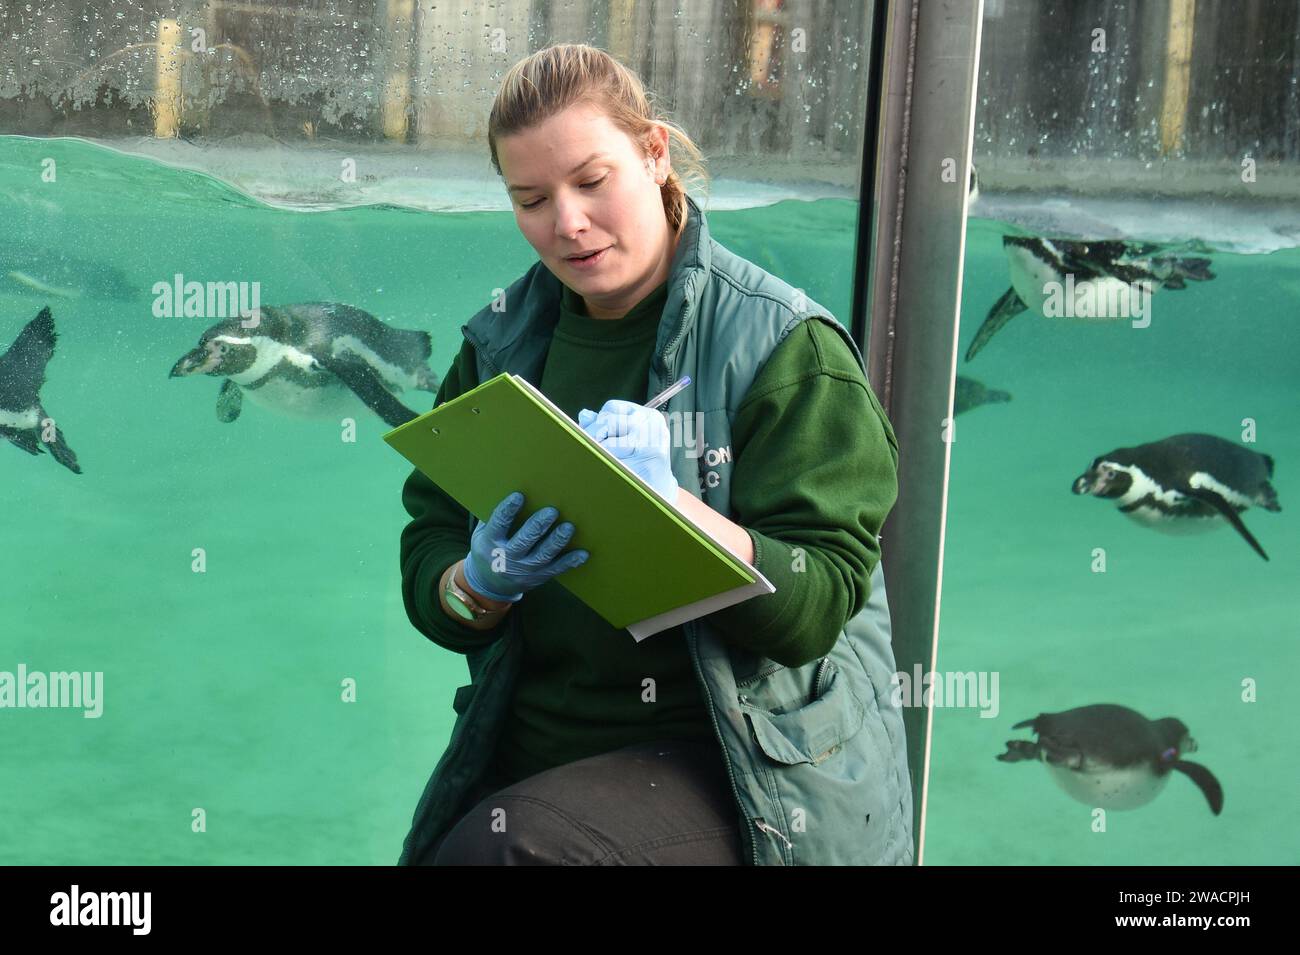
{"points": [[1136, 228], [235, 582]]}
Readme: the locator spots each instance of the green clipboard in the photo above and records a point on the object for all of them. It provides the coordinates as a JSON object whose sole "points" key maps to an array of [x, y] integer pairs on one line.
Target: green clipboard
{"points": [[650, 568]]}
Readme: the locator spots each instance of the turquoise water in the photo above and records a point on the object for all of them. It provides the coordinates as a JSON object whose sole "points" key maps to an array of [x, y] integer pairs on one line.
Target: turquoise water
{"points": [[1174, 625], [223, 691]]}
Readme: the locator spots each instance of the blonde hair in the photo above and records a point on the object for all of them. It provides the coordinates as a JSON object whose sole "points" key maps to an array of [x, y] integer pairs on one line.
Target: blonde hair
{"points": [[566, 74]]}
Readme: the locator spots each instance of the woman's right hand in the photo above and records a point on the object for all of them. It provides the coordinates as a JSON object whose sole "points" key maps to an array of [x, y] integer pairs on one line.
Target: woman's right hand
{"points": [[501, 567]]}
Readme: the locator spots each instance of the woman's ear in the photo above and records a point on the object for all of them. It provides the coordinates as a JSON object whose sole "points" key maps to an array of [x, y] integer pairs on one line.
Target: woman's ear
{"points": [[656, 148]]}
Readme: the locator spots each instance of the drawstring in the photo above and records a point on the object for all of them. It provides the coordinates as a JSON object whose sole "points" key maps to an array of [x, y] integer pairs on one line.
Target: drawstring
{"points": [[766, 828]]}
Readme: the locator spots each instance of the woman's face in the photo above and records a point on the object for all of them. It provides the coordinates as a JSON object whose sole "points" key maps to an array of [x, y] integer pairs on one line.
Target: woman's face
{"points": [[565, 204]]}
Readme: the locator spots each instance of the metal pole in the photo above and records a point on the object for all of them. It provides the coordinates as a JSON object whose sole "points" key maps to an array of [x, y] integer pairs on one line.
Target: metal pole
{"points": [[931, 57]]}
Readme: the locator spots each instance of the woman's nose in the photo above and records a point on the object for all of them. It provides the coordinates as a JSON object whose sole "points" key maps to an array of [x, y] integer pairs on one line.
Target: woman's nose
{"points": [[570, 219]]}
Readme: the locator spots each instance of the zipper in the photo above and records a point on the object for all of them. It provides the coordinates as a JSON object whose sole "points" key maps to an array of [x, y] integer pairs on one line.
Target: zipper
{"points": [[692, 638], [817, 680], [760, 675], [478, 353]]}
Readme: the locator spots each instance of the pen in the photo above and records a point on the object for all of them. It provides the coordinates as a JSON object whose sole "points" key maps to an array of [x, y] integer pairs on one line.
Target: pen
{"points": [[668, 392]]}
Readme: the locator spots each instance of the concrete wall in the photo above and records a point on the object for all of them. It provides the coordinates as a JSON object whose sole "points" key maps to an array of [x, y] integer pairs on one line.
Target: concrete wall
{"points": [[1171, 96], [424, 74]]}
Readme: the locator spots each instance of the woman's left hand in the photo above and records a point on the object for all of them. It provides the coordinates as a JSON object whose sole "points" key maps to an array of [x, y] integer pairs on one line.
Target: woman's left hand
{"points": [[638, 436]]}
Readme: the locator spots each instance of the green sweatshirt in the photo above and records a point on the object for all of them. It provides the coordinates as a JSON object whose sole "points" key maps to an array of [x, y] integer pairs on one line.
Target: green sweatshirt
{"points": [[814, 474]]}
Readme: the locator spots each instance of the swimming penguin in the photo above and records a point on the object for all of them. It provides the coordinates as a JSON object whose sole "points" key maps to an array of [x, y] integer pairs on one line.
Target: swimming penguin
{"points": [[971, 394], [309, 359], [52, 273], [1182, 483], [1112, 757], [1102, 272], [22, 373]]}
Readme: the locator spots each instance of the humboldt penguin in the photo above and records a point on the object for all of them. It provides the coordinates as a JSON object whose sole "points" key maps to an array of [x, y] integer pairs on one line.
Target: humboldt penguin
{"points": [[51, 273], [1111, 757], [971, 394], [1183, 483], [310, 359], [1101, 270], [22, 373]]}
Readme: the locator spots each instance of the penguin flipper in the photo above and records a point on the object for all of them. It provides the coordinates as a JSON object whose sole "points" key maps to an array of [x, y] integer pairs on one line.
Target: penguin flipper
{"points": [[22, 367], [1229, 513], [368, 386], [230, 402], [1004, 310], [1019, 749], [1060, 751], [64, 455], [22, 439], [59, 448], [1205, 782]]}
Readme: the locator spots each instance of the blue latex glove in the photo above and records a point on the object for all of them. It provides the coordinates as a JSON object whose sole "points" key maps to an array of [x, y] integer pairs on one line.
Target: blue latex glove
{"points": [[638, 436], [501, 567]]}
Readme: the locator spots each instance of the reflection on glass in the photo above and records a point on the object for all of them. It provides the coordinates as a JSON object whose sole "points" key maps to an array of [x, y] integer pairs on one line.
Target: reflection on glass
{"points": [[1117, 567], [230, 565]]}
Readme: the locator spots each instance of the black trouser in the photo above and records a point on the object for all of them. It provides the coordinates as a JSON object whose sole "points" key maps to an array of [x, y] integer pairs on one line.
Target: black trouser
{"points": [[660, 803]]}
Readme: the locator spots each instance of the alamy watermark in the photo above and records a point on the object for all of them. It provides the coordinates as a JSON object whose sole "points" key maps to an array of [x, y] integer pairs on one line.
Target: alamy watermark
{"points": [[56, 690], [76, 907], [952, 688], [679, 430], [181, 299], [1098, 299]]}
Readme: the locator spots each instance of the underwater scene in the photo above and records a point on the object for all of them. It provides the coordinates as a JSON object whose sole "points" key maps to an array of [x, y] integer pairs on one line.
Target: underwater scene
{"points": [[230, 566], [1120, 559], [228, 563]]}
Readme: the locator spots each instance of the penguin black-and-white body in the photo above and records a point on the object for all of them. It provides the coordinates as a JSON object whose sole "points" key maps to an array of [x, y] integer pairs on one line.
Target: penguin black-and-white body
{"points": [[311, 359], [22, 373], [48, 272], [1102, 272], [1112, 757], [1184, 483], [971, 394]]}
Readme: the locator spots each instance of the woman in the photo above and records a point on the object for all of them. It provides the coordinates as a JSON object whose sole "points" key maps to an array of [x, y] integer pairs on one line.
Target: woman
{"points": [[752, 735]]}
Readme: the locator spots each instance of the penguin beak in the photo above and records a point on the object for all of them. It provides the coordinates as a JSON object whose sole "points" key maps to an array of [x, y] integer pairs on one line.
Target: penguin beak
{"points": [[1081, 484], [193, 363]]}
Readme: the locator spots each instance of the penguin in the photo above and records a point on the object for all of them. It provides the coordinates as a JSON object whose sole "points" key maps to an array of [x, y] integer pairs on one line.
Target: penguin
{"points": [[1111, 757], [22, 373], [309, 359], [1101, 270], [1183, 483], [971, 394], [51, 273]]}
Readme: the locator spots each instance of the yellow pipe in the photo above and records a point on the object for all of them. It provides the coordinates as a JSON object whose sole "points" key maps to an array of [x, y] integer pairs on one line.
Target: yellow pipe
{"points": [[397, 85], [167, 96], [622, 24], [1178, 69]]}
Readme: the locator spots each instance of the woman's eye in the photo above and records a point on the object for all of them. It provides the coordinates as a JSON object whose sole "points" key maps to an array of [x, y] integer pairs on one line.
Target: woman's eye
{"points": [[586, 185]]}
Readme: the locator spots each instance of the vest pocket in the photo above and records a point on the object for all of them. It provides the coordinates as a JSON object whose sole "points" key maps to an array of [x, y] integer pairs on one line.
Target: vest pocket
{"points": [[813, 732]]}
